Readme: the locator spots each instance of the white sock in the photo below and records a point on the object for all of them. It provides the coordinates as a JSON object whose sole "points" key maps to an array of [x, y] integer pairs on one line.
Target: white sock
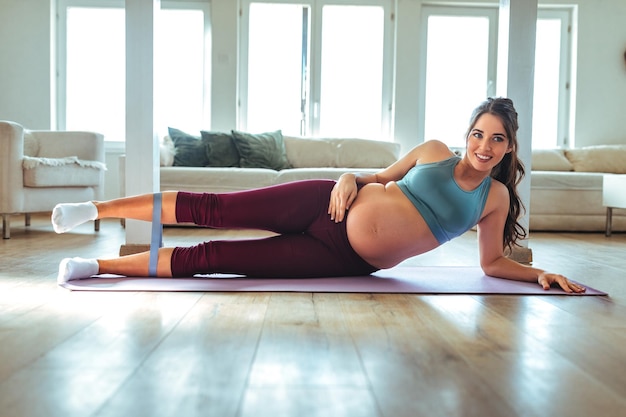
{"points": [[67, 216], [76, 268]]}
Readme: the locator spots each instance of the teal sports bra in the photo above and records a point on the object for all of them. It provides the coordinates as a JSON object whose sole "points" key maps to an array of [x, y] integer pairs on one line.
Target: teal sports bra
{"points": [[449, 210]]}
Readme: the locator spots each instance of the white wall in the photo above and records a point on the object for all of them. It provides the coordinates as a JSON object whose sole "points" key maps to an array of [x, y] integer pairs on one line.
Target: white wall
{"points": [[26, 57], [601, 78]]}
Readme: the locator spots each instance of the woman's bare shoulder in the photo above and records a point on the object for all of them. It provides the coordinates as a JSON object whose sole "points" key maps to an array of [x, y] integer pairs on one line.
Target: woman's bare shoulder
{"points": [[433, 151], [498, 195], [497, 205]]}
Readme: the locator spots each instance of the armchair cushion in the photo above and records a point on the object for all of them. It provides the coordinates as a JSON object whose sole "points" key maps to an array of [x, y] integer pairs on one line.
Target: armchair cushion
{"points": [[61, 172]]}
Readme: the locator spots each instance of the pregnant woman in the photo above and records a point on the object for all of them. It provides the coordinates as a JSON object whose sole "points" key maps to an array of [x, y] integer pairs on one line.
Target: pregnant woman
{"points": [[353, 226]]}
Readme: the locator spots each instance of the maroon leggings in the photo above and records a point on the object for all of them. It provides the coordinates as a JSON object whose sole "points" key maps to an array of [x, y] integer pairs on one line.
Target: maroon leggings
{"points": [[308, 244]]}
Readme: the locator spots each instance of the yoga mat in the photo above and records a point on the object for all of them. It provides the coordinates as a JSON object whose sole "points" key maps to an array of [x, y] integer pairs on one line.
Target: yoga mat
{"points": [[400, 279]]}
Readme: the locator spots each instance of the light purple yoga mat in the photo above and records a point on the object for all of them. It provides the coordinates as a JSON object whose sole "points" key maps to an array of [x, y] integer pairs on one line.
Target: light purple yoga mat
{"points": [[416, 280]]}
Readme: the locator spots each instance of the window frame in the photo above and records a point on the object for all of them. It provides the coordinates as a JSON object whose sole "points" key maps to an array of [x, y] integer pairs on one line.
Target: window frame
{"points": [[60, 111], [491, 13], [566, 98], [565, 129], [314, 88], [61, 50]]}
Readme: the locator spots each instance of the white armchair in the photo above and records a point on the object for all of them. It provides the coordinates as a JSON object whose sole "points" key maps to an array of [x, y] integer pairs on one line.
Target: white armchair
{"points": [[39, 169]]}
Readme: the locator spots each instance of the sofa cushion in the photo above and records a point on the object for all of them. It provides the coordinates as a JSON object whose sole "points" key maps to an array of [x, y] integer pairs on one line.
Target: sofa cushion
{"points": [[221, 150], [61, 172], [566, 193], [309, 152], [263, 150], [601, 158], [190, 150], [215, 180], [31, 145], [298, 174], [566, 181], [550, 160], [340, 153], [365, 153]]}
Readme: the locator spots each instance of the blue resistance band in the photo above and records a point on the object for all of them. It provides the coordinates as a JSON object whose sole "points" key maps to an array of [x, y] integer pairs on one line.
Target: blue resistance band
{"points": [[156, 241]]}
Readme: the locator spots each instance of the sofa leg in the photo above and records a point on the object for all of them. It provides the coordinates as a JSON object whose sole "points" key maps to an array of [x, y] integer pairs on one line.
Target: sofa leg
{"points": [[96, 225], [26, 219], [6, 226]]}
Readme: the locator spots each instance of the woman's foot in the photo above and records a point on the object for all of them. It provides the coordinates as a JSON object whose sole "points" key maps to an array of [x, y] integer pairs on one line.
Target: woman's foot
{"points": [[67, 216], [76, 268]]}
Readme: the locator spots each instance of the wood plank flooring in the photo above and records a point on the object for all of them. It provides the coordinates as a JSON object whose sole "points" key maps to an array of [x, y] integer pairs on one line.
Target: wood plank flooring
{"points": [[308, 354]]}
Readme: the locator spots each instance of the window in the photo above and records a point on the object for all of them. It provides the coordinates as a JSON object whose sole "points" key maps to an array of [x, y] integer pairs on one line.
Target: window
{"points": [[459, 70], [351, 99], [552, 91], [93, 91], [92, 67], [181, 70], [278, 67], [304, 73]]}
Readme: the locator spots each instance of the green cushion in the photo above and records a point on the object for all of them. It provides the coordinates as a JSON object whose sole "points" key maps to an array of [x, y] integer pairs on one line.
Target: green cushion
{"points": [[190, 151], [263, 150], [220, 149]]}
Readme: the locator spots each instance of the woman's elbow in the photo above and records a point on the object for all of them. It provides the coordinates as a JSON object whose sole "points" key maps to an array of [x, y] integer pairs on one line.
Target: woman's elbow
{"points": [[489, 268]]}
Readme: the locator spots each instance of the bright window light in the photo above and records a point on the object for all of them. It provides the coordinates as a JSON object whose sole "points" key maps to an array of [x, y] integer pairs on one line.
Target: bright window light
{"points": [[179, 71], [352, 71], [456, 75], [276, 56], [344, 99], [546, 96], [96, 71]]}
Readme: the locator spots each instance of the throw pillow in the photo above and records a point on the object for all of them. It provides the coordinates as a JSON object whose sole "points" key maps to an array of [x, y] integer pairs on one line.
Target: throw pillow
{"points": [[167, 151], [263, 150], [550, 160], [310, 153], [220, 149], [365, 153], [598, 158], [190, 150]]}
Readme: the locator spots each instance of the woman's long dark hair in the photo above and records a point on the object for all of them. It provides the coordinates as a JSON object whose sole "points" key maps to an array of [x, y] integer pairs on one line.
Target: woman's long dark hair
{"points": [[510, 170]]}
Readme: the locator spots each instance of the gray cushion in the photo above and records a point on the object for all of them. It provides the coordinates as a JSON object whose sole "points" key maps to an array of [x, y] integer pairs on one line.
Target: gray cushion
{"points": [[263, 150], [220, 149], [190, 151]]}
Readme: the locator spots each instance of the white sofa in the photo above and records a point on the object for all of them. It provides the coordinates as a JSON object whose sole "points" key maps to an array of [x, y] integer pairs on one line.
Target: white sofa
{"points": [[566, 185], [566, 188], [308, 158], [39, 169]]}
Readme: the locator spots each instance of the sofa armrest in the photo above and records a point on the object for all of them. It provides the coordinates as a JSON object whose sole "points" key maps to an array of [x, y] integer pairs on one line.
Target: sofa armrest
{"points": [[59, 144], [11, 156]]}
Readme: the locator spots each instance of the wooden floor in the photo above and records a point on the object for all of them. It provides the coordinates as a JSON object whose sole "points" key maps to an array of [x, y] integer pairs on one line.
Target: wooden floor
{"points": [[280, 354]]}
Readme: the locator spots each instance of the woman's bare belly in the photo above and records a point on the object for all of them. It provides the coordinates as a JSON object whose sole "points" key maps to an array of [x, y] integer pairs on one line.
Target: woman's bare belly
{"points": [[385, 228]]}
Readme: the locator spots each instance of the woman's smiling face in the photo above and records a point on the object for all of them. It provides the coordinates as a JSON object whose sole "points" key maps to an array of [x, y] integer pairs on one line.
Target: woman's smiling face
{"points": [[487, 142]]}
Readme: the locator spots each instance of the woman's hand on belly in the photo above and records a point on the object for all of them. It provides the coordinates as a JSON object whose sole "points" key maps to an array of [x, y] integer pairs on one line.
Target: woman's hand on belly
{"points": [[342, 196]]}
